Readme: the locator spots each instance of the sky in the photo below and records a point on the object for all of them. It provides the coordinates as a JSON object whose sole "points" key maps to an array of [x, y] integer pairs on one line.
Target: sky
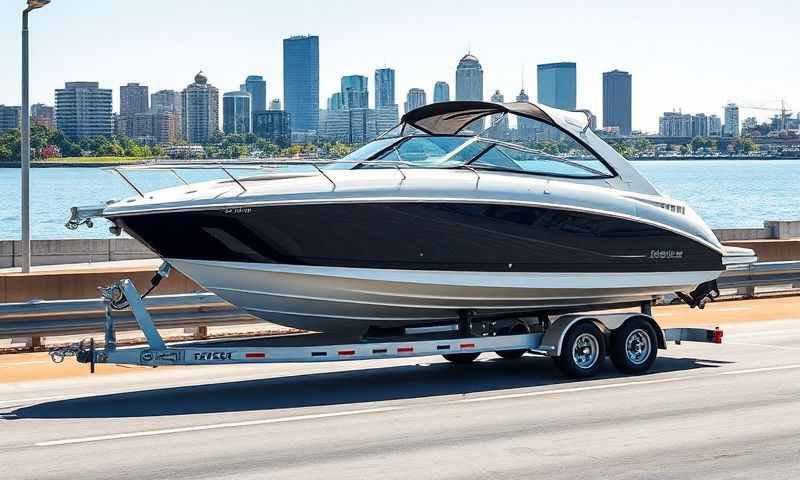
{"points": [[689, 55]]}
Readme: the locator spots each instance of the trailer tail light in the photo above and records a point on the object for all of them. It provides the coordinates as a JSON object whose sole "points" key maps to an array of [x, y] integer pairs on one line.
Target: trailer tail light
{"points": [[346, 352], [716, 335], [467, 345], [255, 355], [405, 349]]}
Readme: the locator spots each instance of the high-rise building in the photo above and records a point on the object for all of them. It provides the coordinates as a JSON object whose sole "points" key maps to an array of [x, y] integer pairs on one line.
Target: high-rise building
{"points": [[200, 110], [168, 101], [335, 102], [275, 104], [469, 78], [675, 124], [355, 91], [133, 98], [714, 126], [617, 101], [526, 127], [415, 99], [43, 115], [153, 127], [10, 118], [441, 92], [499, 125], [83, 109], [362, 125], [273, 125], [335, 125], [556, 85], [301, 81], [700, 125], [384, 87], [236, 113], [731, 127], [386, 118], [256, 86]]}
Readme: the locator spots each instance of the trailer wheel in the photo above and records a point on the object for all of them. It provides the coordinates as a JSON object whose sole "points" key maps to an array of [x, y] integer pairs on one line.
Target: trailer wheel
{"points": [[634, 346], [518, 329], [461, 358], [582, 352]]}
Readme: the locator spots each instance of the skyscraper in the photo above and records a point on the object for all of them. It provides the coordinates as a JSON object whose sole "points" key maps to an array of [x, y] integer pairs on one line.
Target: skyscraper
{"points": [[714, 126], [441, 92], [384, 87], [731, 127], [700, 125], [414, 99], [499, 125], [335, 102], [43, 115], [133, 98], [301, 81], [617, 101], [168, 101], [200, 110], [236, 113], [83, 109], [469, 78], [257, 88], [355, 91], [557, 85], [274, 126], [10, 118]]}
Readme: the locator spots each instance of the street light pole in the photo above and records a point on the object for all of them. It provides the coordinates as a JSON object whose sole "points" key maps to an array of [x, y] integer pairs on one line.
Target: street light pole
{"points": [[25, 153], [25, 144]]}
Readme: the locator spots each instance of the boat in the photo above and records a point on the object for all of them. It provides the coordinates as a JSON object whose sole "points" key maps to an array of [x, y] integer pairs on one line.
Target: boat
{"points": [[440, 218]]}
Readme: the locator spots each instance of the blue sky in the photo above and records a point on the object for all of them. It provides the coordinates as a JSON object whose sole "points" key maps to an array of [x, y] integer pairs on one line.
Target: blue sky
{"points": [[694, 55]]}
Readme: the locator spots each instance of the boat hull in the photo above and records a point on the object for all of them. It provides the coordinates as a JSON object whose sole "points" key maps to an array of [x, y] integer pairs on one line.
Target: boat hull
{"points": [[336, 299]]}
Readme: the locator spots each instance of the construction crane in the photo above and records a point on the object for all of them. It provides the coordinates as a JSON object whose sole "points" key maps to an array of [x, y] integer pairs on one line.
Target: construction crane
{"points": [[784, 109]]}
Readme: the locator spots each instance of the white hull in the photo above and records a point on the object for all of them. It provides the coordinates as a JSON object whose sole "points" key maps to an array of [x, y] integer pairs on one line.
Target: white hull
{"points": [[352, 299]]}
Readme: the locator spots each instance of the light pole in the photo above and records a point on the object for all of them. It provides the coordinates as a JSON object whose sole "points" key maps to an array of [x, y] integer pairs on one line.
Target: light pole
{"points": [[25, 144]]}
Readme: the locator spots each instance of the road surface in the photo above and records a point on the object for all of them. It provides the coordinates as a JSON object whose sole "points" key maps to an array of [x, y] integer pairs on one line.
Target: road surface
{"points": [[706, 411]]}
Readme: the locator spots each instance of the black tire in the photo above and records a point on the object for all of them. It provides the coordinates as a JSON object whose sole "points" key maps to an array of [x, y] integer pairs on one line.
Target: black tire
{"points": [[634, 346], [517, 329], [587, 335], [461, 358]]}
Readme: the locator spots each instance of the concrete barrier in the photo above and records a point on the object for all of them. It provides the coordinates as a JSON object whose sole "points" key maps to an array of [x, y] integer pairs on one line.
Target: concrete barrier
{"points": [[62, 252], [772, 230]]}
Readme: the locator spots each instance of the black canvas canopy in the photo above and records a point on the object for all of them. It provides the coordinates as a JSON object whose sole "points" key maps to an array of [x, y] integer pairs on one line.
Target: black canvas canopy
{"points": [[449, 118]]}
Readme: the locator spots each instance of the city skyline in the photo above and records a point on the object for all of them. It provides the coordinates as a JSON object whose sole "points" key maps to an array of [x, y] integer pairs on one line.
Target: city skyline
{"points": [[667, 75]]}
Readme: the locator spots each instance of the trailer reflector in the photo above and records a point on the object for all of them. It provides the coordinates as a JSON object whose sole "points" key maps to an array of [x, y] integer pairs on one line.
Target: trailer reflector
{"points": [[443, 347], [319, 354], [405, 349], [255, 355], [347, 352], [467, 345], [380, 350]]}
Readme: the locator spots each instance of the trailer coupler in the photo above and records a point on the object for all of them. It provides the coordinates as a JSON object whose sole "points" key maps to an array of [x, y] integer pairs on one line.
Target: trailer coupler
{"points": [[706, 291]]}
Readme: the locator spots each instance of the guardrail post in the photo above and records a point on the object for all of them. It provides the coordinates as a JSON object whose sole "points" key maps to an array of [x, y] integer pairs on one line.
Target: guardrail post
{"points": [[31, 343], [747, 292], [199, 333]]}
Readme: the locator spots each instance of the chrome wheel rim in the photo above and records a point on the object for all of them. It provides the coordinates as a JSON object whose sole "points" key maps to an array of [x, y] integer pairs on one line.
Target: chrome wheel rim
{"points": [[585, 350], [638, 346]]}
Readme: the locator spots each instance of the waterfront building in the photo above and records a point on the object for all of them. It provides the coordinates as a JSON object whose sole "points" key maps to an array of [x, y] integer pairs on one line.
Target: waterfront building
{"points": [[386, 118], [441, 92], [10, 118], [273, 125], [236, 113], [469, 78], [362, 125], [335, 102], [301, 81], [168, 101], [384, 87], [133, 99], [731, 127], [355, 91], [526, 127], [714, 126], [675, 124], [83, 109], [256, 86], [700, 125], [275, 104], [200, 110], [499, 125], [154, 127], [752, 122], [43, 115], [415, 99], [617, 104], [335, 125], [557, 85]]}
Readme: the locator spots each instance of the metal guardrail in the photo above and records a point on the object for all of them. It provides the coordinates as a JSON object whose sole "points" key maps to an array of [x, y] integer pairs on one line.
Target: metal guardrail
{"points": [[70, 317]]}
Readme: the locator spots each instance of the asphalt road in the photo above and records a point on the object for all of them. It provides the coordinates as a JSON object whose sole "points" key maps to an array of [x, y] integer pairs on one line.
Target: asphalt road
{"points": [[706, 411]]}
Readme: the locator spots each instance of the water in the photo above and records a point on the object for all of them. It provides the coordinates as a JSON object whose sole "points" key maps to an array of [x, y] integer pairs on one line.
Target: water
{"points": [[726, 193]]}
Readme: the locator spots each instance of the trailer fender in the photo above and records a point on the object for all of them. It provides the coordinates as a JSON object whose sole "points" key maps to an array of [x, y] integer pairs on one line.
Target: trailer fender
{"points": [[553, 339]]}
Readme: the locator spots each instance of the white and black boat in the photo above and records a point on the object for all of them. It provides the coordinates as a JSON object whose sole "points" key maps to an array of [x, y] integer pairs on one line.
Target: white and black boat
{"points": [[431, 221]]}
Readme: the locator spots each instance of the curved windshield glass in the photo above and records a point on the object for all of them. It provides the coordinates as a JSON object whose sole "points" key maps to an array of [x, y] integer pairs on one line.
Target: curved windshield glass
{"points": [[431, 151]]}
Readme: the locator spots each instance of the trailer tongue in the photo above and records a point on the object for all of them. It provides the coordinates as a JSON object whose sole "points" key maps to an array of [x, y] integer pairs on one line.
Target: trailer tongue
{"points": [[578, 342]]}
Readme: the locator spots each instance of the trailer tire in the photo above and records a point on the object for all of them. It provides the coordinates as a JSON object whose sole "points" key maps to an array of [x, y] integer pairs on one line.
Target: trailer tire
{"points": [[518, 329], [582, 352], [461, 358], [634, 346]]}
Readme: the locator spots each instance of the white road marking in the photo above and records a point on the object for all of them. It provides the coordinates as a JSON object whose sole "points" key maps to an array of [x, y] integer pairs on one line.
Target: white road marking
{"points": [[779, 347], [757, 370], [150, 433], [731, 309]]}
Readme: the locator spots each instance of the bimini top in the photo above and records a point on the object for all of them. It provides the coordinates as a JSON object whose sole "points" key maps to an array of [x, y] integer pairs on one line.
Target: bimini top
{"points": [[449, 118]]}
